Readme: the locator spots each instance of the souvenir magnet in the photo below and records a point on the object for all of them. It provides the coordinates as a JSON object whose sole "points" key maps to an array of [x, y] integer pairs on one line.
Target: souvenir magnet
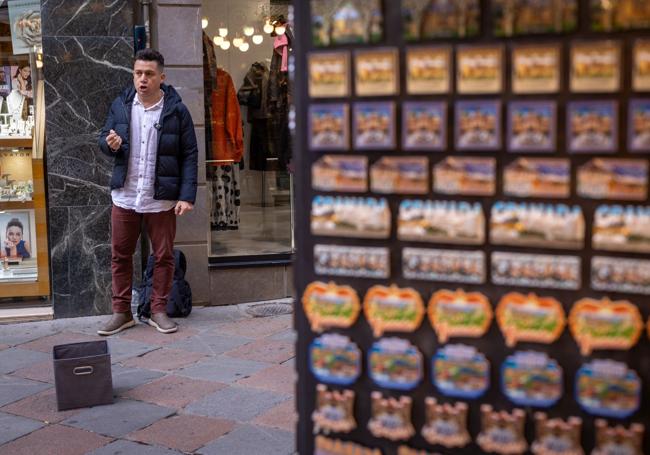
{"points": [[536, 68], [350, 22], [595, 67], [335, 359], [391, 417], [340, 173], [608, 389], [350, 217], [479, 69], [620, 275], [543, 225], [446, 424], [329, 74], [603, 324], [329, 127], [428, 70], [619, 179], [400, 175], [619, 15], [453, 266], [441, 222], [461, 371], [465, 176], [327, 446], [638, 136], [592, 126], [357, 261], [428, 19], [618, 440], [394, 363], [424, 126], [334, 411], [536, 270], [641, 66], [538, 177], [377, 72], [393, 309], [459, 314], [329, 305], [478, 125], [557, 436], [530, 318], [531, 17], [531, 379], [374, 126], [502, 432], [622, 228], [406, 450], [531, 126]]}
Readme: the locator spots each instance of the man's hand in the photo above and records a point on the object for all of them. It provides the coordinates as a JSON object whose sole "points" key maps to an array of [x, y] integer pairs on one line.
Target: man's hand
{"points": [[114, 141], [182, 207]]}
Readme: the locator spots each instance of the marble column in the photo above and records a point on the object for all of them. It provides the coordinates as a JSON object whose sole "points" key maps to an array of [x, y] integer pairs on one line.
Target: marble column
{"points": [[88, 51]]}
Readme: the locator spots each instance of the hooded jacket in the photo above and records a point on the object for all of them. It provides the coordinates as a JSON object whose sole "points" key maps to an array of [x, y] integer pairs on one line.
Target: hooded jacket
{"points": [[177, 154]]}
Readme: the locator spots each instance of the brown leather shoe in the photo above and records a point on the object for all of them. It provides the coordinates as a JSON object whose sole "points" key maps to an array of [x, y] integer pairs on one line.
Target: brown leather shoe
{"points": [[162, 323], [119, 322]]}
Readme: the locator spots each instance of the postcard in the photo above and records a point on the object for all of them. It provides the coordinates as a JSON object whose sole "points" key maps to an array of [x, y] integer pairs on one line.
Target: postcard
{"points": [[374, 126], [530, 17], [622, 228], [530, 378], [641, 66], [427, 19], [441, 222], [400, 175], [536, 68], [538, 177], [592, 126], [465, 176], [428, 70], [543, 225], [478, 125], [352, 261], [608, 389], [531, 126], [377, 72], [638, 137], [460, 371], [618, 179], [340, 173], [329, 127], [424, 126], [354, 217], [479, 69], [452, 266], [595, 67], [620, 275], [536, 270], [351, 22], [394, 363], [329, 74]]}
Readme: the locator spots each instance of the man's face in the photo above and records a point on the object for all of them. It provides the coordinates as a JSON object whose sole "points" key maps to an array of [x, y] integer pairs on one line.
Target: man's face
{"points": [[147, 77]]}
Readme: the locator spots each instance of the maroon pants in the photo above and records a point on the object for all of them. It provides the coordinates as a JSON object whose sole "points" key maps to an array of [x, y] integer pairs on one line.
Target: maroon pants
{"points": [[161, 228]]}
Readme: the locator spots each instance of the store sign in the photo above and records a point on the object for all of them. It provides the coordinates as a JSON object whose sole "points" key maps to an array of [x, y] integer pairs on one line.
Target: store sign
{"points": [[25, 21]]}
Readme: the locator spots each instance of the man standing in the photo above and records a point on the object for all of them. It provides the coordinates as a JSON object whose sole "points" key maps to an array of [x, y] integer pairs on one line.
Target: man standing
{"points": [[150, 135]]}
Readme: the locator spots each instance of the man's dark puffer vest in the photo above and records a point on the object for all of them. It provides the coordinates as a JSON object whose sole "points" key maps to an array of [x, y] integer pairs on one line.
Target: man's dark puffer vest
{"points": [[176, 161]]}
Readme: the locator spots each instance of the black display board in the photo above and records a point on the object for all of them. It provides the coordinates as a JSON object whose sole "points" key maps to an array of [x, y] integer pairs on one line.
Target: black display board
{"points": [[565, 350]]}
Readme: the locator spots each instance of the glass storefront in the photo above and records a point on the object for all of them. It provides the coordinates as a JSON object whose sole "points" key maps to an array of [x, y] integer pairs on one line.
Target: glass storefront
{"points": [[24, 261], [248, 146]]}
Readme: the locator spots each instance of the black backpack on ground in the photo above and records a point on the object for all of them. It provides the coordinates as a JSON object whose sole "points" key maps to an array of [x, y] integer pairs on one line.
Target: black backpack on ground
{"points": [[179, 303]]}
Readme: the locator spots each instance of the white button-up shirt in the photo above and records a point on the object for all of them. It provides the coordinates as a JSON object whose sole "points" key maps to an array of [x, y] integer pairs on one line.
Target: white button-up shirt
{"points": [[137, 193]]}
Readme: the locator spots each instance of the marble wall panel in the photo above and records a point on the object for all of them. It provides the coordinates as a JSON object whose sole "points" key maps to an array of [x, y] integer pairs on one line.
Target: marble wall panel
{"points": [[87, 17]]}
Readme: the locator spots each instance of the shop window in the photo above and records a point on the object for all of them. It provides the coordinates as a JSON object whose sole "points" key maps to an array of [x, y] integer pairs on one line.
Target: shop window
{"points": [[248, 146], [24, 266]]}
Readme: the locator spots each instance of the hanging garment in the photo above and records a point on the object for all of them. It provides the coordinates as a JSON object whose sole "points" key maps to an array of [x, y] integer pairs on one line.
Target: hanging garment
{"points": [[279, 101], [227, 131], [209, 86], [226, 198]]}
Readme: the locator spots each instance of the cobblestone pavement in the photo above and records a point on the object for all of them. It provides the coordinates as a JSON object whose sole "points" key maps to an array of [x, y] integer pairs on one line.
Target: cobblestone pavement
{"points": [[223, 384]]}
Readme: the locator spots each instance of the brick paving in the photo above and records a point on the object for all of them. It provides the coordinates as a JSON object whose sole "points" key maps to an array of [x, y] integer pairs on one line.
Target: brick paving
{"points": [[223, 384]]}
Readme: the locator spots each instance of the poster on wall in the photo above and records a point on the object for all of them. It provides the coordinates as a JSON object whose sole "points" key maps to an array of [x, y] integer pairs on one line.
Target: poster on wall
{"points": [[25, 21], [18, 235]]}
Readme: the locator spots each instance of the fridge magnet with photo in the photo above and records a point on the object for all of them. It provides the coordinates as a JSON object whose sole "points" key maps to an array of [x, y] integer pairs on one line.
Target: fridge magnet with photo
{"points": [[536, 69], [530, 318], [629, 276], [592, 126], [327, 446], [554, 433], [328, 305], [329, 74], [351, 22], [329, 127], [353, 217], [391, 417], [530, 378], [334, 411], [336, 173], [618, 179], [595, 67], [335, 359], [641, 65], [536, 270], [502, 432], [531, 126], [376, 72], [424, 126], [435, 19], [465, 176], [460, 371], [400, 175], [446, 424], [478, 125], [459, 314], [607, 388], [479, 69], [531, 17], [616, 438], [638, 136], [374, 126], [352, 261], [428, 70], [622, 228], [538, 177], [393, 309], [395, 364], [452, 266]]}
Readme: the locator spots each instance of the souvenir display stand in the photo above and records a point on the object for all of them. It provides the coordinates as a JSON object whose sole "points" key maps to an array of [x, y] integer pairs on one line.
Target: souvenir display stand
{"points": [[473, 226]]}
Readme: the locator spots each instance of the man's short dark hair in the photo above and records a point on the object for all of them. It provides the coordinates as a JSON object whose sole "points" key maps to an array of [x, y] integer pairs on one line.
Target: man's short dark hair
{"points": [[151, 55]]}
